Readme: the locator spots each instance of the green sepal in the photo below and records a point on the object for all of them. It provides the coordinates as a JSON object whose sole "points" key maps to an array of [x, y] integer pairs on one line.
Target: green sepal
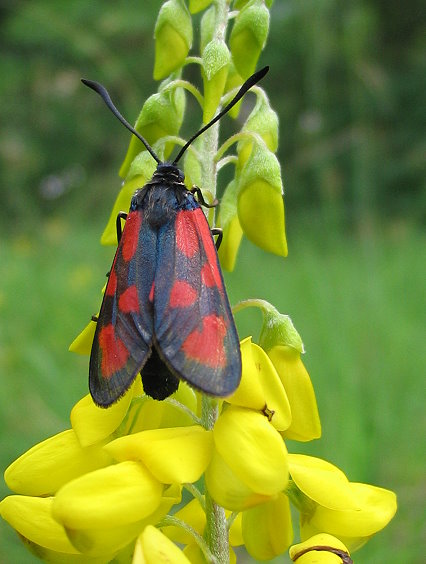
{"points": [[173, 38], [192, 165], [215, 61], [161, 115], [248, 36], [260, 201], [239, 4]]}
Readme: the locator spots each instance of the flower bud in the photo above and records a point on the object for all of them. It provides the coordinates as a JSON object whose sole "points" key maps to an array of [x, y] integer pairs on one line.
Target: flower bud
{"points": [[173, 37], [263, 121], [215, 61], [196, 6], [207, 28], [233, 80], [260, 201], [230, 225], [161, 115], [248, 36], [192, 165]]}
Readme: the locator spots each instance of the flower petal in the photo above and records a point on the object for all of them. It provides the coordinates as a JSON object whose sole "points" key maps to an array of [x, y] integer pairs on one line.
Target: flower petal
{"points": [[249, 392], [305, 424], [93, 424], [267, 528], [153, 547], [189, 448], [253, 449], [47, 466], [322, 482], [108, 498]]}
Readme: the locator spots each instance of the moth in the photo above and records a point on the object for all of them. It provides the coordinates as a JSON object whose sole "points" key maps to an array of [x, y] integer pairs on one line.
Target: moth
{"points": [[165, 313]]}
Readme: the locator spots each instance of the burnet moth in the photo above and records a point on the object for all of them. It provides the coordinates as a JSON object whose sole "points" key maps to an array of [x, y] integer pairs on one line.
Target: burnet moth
{"points": [[165, 313]]}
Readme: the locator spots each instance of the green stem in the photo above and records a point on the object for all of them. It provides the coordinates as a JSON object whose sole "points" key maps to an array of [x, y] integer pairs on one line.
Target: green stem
{"points": [[171, 521]]}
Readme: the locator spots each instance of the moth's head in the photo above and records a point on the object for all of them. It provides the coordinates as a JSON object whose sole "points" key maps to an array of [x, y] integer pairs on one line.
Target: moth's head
{"points": [[171, 171]]}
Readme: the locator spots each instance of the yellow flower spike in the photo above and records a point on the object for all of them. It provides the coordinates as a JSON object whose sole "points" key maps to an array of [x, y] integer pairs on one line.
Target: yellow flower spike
{"points": [[267, 528], [248, 36], [250, 391], [190, 449], [82, 344], [322, 482], [110, 497], [152, 547], [230, 225], [93, 424], [47, 466], [227, 489], [260, 201], [193, 515], [276, 401], [122, 203], [305, 424], [173, 38], [161, 115], [354, 526], [253, 449], [305, 553], [215, 63]]}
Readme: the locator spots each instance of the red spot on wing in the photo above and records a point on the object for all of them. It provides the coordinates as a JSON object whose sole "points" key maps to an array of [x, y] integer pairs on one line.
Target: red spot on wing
{"points": [[151, 293], [128, 300], [210, 275], [206, 346], [186, 233], [210, 272], [114, 351], [130, 238], [112, 283], [182, 294]]}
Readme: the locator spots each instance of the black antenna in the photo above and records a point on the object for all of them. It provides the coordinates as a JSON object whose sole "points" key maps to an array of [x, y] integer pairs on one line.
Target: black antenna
{"points": [[102, 91], [251, 81]]}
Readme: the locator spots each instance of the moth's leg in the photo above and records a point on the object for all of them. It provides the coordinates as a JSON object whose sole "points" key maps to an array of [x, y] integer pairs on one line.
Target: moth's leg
{"points": [[196, 191], [217, 231]]}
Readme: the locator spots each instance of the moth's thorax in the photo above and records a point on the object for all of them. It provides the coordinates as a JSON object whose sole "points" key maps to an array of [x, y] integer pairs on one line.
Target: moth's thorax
{"points": [[163, 196]]}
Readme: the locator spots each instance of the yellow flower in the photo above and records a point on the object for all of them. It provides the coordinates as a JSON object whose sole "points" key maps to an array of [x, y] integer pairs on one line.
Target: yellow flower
{"points": [[249, 462], [329, 503], [305, 424], [152, 547]]}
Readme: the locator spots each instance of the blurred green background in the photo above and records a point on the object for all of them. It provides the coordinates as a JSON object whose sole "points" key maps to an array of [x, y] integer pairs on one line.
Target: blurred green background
{"points": [[347, 80]]}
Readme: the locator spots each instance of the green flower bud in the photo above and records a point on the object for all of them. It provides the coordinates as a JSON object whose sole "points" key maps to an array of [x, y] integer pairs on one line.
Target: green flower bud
{"points": [[260, 201], [277, 329], [161, 115], [248, 36], [230, 224], [216, 59], [263, 121], [233, 80], [196, 6], [207, 27], [173, 38]]}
